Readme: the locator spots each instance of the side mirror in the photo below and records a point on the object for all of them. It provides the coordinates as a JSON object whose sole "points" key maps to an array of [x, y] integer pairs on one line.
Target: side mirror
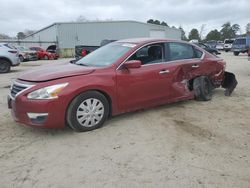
{"points": [[133, 64]]}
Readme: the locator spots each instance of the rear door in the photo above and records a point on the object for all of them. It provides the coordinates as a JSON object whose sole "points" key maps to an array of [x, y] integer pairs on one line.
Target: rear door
{"points": [[186, 64]]}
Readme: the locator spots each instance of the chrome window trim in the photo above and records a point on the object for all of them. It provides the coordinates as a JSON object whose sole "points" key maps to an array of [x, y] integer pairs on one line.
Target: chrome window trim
{"points": [[28, 86], [165, 62]]}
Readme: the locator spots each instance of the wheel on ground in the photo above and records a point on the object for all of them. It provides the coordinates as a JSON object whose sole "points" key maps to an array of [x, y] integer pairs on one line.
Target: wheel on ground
{"points": [[4, 66], [88, 111], [236, 53], [21, 58], [202, 88], [46, 57]]}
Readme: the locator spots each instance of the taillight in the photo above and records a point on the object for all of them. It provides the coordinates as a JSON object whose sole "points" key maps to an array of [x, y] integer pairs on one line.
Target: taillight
{"points": [[12, 51]]}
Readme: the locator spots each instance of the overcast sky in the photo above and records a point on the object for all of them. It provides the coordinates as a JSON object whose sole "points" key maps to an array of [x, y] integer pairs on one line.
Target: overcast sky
{"points": [[18, 15]]}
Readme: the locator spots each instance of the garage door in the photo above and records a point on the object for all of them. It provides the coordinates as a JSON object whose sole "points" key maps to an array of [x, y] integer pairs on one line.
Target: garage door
{"points": [[157, 34]]}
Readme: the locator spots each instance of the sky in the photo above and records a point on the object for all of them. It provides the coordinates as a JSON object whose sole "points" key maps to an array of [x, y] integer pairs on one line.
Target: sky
{"points": [[19, 15]]}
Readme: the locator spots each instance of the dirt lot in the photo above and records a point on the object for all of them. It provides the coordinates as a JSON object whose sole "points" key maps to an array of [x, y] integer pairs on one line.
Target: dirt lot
{"points": [[186, 144]]}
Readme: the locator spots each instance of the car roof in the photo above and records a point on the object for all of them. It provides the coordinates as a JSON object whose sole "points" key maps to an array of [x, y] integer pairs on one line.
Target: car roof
{"points": [[146, 40]]}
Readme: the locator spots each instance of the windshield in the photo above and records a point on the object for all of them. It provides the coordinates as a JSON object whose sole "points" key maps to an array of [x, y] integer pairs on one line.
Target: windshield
{"points": [[240, 41], [21, 48], [106, 55]]}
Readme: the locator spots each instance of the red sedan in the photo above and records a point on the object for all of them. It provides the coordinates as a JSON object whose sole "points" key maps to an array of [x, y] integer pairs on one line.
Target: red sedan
{"points": [[43, 54], [122, 76]]}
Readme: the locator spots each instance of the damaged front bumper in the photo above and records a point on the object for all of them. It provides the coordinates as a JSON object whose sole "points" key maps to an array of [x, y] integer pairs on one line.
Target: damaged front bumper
{"points": [[229, 83]]}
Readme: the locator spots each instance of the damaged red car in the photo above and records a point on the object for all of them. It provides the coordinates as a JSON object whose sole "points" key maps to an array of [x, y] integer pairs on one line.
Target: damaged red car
{"points": [[122, 76]]}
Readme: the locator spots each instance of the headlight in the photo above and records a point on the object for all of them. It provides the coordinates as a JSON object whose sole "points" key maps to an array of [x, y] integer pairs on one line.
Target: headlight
{"points": [[50, 92]]}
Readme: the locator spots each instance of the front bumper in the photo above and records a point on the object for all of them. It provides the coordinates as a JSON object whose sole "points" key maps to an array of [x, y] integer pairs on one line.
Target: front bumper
{"points": [[38, 113]]}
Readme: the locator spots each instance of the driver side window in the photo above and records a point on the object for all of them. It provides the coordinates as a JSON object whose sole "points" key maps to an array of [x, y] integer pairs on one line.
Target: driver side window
{"points": [[149, 54]]}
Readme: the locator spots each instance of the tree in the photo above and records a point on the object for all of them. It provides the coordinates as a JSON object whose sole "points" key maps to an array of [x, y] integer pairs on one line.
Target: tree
{"points": [[183, 35], [164, 23], [150, 21], [194, 34], [157, 22], [20, 35], [229, 31], [213, 35], [248, 29], [4, 36]]}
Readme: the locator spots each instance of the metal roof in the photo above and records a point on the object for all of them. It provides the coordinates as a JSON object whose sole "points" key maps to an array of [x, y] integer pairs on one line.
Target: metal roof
{"points": [[87, 22]]}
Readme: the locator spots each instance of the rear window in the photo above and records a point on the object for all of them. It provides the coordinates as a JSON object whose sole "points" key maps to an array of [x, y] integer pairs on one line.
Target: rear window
{"points": [[240, 41], [229, 41], [180, 51]]}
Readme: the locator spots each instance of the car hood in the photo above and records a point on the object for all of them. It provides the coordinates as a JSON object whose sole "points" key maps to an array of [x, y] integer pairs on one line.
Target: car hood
{"points": [[55, 71]]}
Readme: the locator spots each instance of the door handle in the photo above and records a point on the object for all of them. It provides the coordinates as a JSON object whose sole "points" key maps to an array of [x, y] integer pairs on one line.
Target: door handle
{"points": [[195, 66], [164, 72]]}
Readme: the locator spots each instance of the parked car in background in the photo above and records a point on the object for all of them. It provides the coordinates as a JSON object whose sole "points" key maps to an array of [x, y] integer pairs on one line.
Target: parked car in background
{"points": [[228, 44], [8, 57], [211, 43], [240, 45], [26, 54], [122, 76], [208, 48], [248, 53], [54, 50], [83, 50], [219, 45], [43, 54]]}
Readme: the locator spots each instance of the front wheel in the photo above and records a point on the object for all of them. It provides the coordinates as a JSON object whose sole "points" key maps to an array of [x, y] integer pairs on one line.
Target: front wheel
{"points": [[202, 88], [88, 111], [4, 66], [21, 58]]}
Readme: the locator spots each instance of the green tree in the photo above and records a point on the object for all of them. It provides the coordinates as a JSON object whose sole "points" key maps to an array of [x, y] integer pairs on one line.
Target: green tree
{"points": [[183, 34], [157, 22], [150, 21], [248, 29], [20, 35], [164, 23], [213, 35], [229, 31], [4, 36], [194, 34]]}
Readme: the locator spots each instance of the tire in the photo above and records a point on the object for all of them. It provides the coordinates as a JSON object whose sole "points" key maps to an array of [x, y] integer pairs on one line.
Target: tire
{"points": [[4, 66], [236, 53], [202, 88], [21, 58], [84, 117], [46, 57]]}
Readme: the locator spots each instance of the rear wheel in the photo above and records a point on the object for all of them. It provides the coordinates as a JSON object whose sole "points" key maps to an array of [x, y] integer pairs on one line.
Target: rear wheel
{"points": [[202, 88], [46, 57], [4, 66], [236, 53], [88, 111]]}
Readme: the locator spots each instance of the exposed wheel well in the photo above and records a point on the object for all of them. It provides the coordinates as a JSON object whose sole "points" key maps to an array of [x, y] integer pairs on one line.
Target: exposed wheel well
{"points": [[191, 82]]}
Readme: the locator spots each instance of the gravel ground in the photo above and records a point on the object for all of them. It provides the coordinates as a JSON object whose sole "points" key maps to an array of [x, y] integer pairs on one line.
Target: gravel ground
{"points": [[186, 144]]}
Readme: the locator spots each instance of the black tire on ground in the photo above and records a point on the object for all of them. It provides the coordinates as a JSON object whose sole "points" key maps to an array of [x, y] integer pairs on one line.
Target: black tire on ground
{"points": [[4, 66], [202, 88], [71, 115], [21, 58], [236, 53], [46, 57], [226, 50]]}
